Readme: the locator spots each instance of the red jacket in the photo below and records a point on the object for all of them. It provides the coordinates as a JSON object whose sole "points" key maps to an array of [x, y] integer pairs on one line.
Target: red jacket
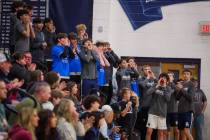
{"points": [[19, 133]]}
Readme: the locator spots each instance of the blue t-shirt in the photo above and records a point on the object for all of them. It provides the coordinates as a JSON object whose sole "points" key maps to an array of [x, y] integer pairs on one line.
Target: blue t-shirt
{"points": [[75, 64], [101, 80], [60, 65]]}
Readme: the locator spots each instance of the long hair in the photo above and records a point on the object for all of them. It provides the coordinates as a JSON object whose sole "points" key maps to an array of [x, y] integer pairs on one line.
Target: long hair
{"points": [[63, 109], [36, 75], [43, 131], [24, 119]]}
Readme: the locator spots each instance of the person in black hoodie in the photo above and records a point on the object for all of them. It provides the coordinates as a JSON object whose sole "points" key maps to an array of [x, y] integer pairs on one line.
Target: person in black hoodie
{"points": [[19, 70], [114, 61]]}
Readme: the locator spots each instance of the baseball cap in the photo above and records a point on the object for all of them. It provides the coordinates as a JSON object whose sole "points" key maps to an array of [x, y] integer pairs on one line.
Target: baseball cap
{"points": [[3, 57], [106, 108]]}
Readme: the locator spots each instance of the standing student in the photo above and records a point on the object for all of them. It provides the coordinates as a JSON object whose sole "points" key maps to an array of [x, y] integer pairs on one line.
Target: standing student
{"points": [[185, 96], [23, 30], [114, 61], [200, 104], [161, 94], [81, 33], [75, 63], [172, 110], [50, 36], [88, 59], [145, 82], [16, 6], [134, 75], [38, 44], [61, 54]]}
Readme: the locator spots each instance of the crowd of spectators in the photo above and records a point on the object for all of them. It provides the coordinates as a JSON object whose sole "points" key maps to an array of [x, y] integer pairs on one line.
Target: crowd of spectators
{"points": [[77, 98]]}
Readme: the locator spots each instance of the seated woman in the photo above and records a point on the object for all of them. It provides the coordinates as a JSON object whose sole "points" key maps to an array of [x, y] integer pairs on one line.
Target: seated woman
{"points": [[69, 126], [47, 126], [72, 87], [27, 122]]}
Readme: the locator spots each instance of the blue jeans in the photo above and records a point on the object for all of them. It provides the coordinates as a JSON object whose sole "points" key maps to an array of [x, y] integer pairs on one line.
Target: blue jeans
{"points": [[199, 126]]}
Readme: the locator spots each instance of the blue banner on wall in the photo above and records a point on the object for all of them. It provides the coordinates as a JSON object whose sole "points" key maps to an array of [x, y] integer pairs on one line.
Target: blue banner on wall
{"points": [[68, 13], [141, 12]]}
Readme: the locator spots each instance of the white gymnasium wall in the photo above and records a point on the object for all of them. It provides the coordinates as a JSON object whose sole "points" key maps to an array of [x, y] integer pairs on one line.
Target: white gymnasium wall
{"points": [[175, 36]]}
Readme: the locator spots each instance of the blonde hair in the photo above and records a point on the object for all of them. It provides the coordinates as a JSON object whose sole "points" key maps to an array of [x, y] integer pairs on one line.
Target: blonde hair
{"points": [[24, 119], [80, 27], [63, 109]]}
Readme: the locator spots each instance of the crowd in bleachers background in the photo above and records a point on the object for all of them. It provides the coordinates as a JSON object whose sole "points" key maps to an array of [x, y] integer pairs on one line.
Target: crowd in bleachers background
{"points": [[79, 96]]}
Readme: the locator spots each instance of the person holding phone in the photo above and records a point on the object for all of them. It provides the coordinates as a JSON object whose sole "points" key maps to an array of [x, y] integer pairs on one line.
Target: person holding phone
{"points": [[128, 113]]}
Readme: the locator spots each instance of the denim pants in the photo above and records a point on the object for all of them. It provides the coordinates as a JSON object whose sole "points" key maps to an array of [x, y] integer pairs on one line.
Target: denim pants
{"points": [[199, 126]]}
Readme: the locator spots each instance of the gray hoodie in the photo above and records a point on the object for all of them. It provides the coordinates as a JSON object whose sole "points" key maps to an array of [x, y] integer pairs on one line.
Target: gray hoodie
{"points": [[88, 61], [160, 98], [185, 97]]}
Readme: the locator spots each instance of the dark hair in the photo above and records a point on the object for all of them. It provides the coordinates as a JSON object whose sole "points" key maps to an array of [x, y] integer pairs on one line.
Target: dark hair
{"points": [[61, 35], [37, 20], [43, 131], [130, 58], [88, 100], [51, 78], [70, 85], [121, 60], [85, 40], [97, 115], [72, 36], [99, 43], [35, 75], [164, 75], [16, 4], [28, 7], [116, 108], [187, 70], [47, 20], [21, 13], [18, 56], [144, 66], [106, 43]]}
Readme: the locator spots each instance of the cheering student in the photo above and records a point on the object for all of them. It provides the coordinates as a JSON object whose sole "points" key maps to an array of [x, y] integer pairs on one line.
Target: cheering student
{"points": [[161, 94]]}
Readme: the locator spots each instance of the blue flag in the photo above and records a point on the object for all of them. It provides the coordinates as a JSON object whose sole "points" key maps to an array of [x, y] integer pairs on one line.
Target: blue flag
{"points": [[141, 12]]}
